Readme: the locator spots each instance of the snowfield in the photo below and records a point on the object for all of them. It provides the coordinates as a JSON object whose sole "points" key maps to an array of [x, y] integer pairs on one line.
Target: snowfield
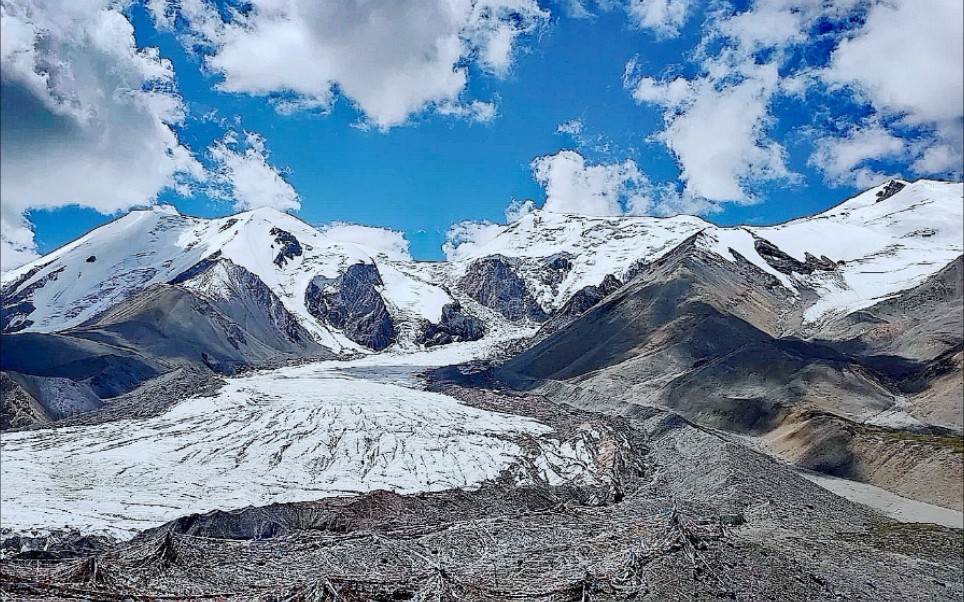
{"points": [[878, 247], [286, 435]]}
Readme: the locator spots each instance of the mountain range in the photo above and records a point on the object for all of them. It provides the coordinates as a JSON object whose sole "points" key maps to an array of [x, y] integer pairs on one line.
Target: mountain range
{"points": [[833, 343]]}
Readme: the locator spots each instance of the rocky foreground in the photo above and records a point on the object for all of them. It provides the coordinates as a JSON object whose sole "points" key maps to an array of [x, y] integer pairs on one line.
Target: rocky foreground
{"points": [[669, 510]]}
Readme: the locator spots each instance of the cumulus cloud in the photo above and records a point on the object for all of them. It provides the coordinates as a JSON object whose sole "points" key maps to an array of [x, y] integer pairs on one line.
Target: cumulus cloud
{"points": [[663, 17], [242, 174], [908, 62], [577, 9], [844, 158], [717, 122], [476, 110], [390, 58], [17, 245], [390, 243], [903, 63], [86, 117], [519, 208], [466, 236], [574, 186], [573, 128]]}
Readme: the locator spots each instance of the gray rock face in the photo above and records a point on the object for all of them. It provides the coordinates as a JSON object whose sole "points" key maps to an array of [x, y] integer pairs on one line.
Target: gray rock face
{"points": [[637, 268], [59, 397], [589, 296], [16, 304], [702, 336], [492, 282], [892, 188], [216, 317], [455, 326], [352, 304], [786, 264], [198, 268], [216, 314], [581, 302], [51, 376], [555, 268], [18, 408], [290, 247]]}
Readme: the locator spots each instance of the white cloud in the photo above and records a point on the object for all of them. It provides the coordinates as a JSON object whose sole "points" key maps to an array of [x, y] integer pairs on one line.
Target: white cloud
{"points": [[390, 58], [87, 117], [597, 144], [577, 9], [390, 243], [718, 132], [663, 17], [940, 158], [17, 245], [574, 186], [465, 237], [908, 62], [573, 128], [843, 158], [476, 110], [518, 208], [718, 121], [243, 174]]}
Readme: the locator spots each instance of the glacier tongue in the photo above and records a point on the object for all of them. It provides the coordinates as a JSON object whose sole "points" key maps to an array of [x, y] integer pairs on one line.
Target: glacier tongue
{"points": [[275, 436]]}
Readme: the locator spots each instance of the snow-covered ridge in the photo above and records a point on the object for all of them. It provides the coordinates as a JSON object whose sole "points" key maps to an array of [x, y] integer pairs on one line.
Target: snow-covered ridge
{"points": [[867, 248], [880, 244], [149, 247]]}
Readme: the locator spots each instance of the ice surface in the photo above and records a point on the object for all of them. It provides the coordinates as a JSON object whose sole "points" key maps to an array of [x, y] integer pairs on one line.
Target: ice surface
{"points": [[274, 436]]}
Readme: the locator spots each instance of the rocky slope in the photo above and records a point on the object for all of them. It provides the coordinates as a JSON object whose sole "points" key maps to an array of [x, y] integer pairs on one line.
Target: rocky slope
{"points": [[621, 409], [262, 287], [703, 336]]}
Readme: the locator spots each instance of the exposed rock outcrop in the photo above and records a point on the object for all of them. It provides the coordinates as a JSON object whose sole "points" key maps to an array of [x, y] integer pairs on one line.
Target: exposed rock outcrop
{"points": [[290, 247], [351, 303], [581, 302], [786, 264], [892, 188], [454, 326], [492, 282], [16, 307], [18, 408], [555, 268]]}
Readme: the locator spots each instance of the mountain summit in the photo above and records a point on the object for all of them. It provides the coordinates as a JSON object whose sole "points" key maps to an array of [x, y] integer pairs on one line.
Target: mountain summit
{"points": [[606, 379]]}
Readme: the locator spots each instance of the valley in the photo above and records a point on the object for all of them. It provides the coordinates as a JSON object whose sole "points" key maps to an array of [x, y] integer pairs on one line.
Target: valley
{"points": [[569, 408]]}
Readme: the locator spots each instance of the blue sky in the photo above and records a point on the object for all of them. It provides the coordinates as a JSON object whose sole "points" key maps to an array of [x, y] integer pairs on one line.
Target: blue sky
{"points": [[744, 112]]}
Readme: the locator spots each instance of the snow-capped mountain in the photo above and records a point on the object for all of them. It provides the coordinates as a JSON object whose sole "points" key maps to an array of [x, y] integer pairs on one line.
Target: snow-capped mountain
{"points": [[348, 297], [159, 246], [882, 241], [163, 345]]}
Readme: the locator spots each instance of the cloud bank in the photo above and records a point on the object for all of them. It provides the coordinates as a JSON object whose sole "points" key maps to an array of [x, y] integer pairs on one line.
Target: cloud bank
{"points": [[898, 63], [390, 243], [391, 59], [242, 173], [87, 118], [574, 186]]}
